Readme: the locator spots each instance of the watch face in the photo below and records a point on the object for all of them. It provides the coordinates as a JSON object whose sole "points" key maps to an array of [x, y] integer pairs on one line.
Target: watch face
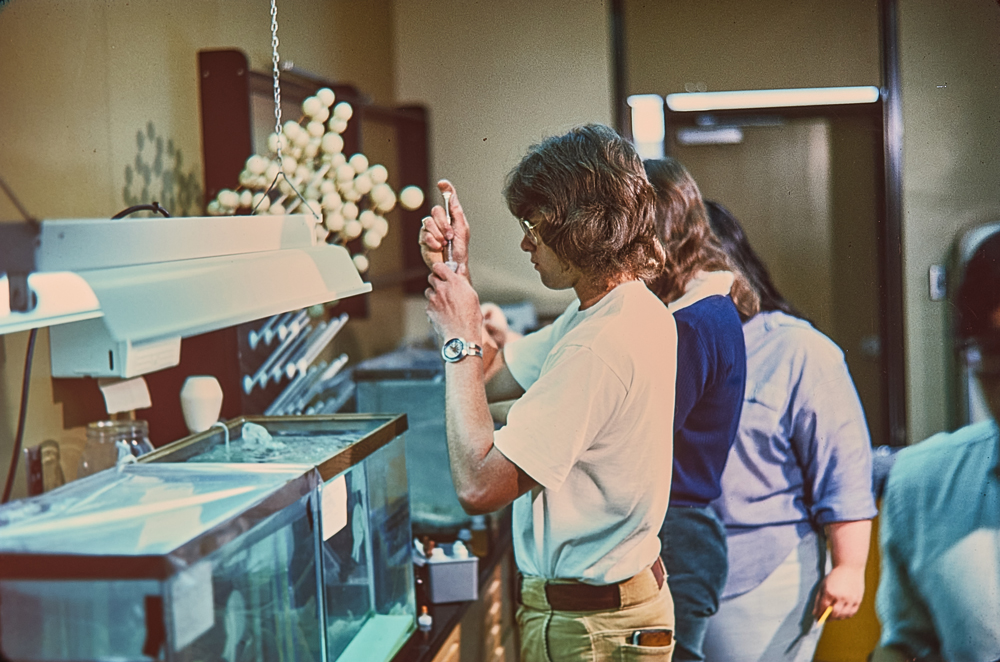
{"points": [[453, 350]]}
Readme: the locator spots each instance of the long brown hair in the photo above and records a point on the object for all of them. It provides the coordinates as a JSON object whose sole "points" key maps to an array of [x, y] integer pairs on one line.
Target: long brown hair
{"points": [[683, 228], [596, 204]]}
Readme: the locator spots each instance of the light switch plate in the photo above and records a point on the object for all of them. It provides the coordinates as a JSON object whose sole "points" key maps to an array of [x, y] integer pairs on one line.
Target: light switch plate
{"points": [[937, 281]]}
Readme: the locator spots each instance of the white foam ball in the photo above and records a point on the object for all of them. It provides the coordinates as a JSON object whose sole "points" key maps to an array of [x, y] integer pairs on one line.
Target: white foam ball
{"points": [[228, 199], [337, 125], [246, 198], [363, 183], [372, 239], [288, 165], [360, 262], [214, 208], [328, 187], [291, 129], [334, 222], [345, 173], [312, 149], [311, 106], [272, 171], [326, 96], [247, 178], [331, 201], [378, 174], [332, 143], [322, 115], [343, 111], [367, 218], [285, 187], [381, 225], [350, 212], [256, 164], [315, 129], [352, 230], [261, 202], [303, 173], [350, 193], [337, 160], [411, 197], [277, 209], [359, 162], [301, 139]]}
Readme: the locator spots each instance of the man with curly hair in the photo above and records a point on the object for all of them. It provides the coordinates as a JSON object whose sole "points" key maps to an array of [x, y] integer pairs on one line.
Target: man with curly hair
{"points": [[585, 454]]}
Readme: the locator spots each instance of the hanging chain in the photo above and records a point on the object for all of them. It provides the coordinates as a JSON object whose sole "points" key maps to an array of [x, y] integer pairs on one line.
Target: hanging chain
{"points": [[277, 84]]}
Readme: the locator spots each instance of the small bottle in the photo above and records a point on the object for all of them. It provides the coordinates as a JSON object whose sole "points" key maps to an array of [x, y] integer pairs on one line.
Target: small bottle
{"points": [[459, 550], [424, 620]]}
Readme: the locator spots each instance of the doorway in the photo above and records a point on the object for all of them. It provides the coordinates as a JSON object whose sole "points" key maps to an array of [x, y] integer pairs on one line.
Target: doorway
{"points": [[806, 187]]}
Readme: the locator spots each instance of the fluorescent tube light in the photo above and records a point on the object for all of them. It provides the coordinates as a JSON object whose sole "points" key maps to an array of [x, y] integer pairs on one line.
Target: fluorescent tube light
{"points": [[743, 99], [61, 297], [723, 135]]}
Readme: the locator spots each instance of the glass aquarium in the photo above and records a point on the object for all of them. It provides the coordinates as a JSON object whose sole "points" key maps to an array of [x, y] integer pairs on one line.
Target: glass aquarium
{"points": [[411, 381], [165, 562], [367, 571]]}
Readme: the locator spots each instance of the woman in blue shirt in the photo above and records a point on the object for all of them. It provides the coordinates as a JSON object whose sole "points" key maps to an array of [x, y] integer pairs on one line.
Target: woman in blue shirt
{"points": [[798, 473], [707, 296]]}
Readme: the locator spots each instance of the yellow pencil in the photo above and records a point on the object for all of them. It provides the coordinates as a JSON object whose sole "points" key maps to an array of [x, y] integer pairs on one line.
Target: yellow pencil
{"points": [[822, 619]]}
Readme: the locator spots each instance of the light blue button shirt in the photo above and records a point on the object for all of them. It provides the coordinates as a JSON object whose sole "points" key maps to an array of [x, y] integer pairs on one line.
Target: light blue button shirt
{"points": [[802, 456], [939, 592]]}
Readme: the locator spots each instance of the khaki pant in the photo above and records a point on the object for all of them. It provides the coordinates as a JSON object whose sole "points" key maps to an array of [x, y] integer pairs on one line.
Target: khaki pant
{"points": [[594, 636]]}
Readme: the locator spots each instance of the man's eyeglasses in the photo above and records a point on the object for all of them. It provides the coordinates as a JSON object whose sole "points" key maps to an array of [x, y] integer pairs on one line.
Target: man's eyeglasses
{"points": [[529, 230]]}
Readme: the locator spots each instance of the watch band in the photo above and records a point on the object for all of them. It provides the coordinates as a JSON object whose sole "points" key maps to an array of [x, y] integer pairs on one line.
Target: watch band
{"points": [[456, 349]]}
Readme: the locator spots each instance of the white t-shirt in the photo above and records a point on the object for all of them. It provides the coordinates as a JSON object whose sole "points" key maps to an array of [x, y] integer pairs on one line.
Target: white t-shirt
{"points": [[595, 429]]}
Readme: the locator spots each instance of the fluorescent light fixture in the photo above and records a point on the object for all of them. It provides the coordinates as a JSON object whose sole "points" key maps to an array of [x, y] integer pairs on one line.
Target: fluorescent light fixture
{"points": [[648, 128], [61, 297], [154, 281], [743, 99], [723, 135]]}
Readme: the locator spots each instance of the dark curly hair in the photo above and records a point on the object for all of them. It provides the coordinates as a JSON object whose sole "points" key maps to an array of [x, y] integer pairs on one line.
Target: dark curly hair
{"points": [[683, 226], [978, 296], [589, 187], [734, 241]]}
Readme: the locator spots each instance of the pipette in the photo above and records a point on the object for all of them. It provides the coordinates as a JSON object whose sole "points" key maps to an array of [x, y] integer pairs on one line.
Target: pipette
{"points": [[450, 262]]}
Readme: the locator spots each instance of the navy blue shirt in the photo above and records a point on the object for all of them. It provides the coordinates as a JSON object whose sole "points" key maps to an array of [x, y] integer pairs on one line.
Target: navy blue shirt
{"points": [[711, 379]]}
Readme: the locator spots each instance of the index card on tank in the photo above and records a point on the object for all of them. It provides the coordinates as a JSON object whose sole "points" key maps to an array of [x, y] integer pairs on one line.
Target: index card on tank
{"points": [[193, 603], [334, 506]]}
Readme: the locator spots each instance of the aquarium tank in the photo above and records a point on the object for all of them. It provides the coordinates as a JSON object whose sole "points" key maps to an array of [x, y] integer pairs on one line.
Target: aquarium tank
{"points": [[411, 381], [165, 562], [368, 591]]}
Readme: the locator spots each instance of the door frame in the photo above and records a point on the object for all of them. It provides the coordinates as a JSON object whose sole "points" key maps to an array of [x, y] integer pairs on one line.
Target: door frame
{"points": [[886, 114]]}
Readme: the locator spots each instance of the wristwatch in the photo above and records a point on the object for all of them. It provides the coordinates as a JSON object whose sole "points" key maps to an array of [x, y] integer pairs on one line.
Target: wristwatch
{"points": [[458, 348]]}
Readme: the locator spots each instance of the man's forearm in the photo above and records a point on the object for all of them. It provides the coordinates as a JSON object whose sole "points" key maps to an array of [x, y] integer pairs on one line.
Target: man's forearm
{"points": [[469, 428]]}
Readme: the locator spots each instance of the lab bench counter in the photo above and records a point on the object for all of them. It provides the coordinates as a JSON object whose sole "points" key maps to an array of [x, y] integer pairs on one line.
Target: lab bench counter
{"points": [[480, 630]]}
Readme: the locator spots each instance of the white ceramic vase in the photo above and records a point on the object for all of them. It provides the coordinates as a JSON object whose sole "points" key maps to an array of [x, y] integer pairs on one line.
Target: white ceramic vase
{"points": [[201, 402]]}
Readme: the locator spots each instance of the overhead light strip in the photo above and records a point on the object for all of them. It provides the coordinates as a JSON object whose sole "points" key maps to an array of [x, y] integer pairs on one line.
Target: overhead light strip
{"points": [[746, 99]]}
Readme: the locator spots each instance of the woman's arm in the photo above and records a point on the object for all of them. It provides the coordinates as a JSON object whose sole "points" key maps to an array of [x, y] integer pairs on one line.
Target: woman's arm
{"points": [[843, 588]]}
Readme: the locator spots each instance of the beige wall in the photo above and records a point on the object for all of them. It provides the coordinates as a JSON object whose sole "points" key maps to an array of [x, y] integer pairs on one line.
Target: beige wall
{"points": [[497, 77], [739, 45], [80, 80], [950, 68]]}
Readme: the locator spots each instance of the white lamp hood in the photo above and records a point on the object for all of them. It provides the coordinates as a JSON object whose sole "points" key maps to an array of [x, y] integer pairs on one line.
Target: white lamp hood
{"points": [[113, 290]]}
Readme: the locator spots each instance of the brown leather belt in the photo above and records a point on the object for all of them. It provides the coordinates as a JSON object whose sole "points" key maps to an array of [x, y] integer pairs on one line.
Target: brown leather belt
{"points": [[591, 597]]}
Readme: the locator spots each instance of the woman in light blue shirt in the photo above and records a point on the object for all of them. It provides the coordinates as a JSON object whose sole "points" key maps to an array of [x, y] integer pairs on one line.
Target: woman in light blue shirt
{"points": [[798, 473]]}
